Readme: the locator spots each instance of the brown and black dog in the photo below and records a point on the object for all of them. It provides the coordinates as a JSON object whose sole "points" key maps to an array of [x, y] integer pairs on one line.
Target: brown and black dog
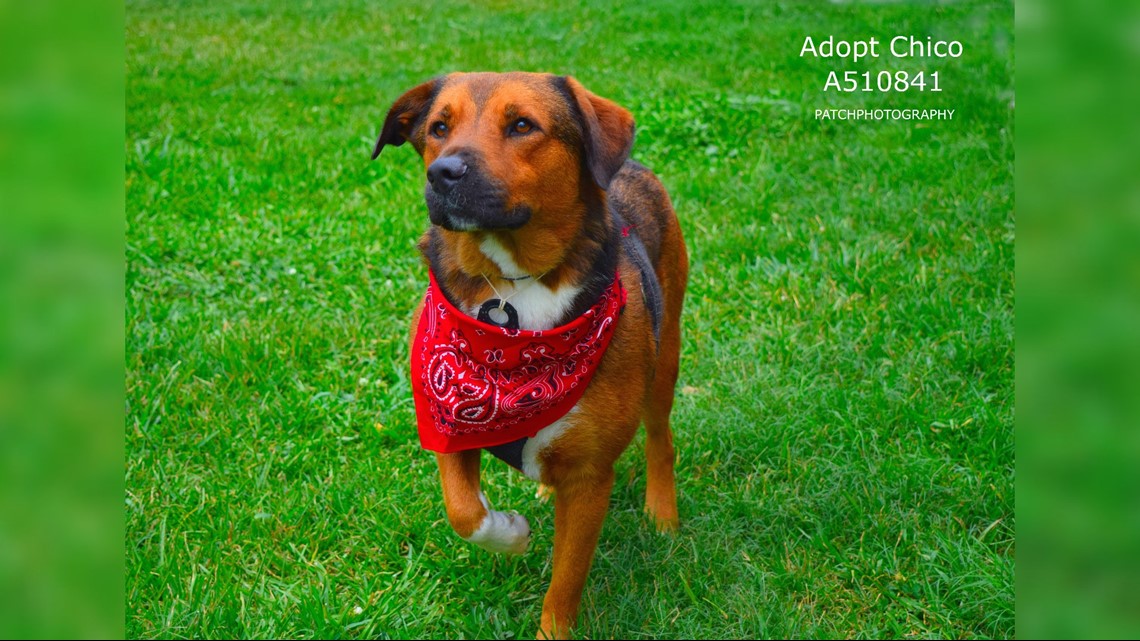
{"points": [[529, 178]]}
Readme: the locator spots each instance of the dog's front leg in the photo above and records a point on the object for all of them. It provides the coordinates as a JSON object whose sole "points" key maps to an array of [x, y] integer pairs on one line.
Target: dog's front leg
{"points": [[579, 509], [469, 512]]}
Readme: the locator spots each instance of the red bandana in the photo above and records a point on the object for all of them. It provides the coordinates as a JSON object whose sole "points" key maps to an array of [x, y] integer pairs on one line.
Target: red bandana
{"points": [[478, 385]]}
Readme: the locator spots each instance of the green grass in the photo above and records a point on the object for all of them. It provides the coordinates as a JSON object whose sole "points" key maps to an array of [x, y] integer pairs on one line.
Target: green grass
{"points": [[845, 409]]}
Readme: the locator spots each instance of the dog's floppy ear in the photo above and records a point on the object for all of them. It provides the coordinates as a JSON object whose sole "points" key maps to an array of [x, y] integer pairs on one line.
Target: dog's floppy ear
{"points": [[607, 134], [404, 114]]}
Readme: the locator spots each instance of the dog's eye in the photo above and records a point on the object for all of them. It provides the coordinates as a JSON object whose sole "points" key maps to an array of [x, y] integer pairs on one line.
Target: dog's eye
{"points": [[438, 129], [521, 127]]}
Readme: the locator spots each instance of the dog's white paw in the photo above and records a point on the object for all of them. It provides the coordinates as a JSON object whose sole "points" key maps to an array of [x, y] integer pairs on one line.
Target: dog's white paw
{"points": [[507, 533]]}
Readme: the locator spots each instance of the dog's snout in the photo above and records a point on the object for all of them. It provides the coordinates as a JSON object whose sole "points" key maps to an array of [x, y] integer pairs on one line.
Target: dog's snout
{"points": [[444, 173]]}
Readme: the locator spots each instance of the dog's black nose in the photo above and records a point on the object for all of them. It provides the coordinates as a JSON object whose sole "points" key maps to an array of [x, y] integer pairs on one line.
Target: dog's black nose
{"points": [[446, 172]]}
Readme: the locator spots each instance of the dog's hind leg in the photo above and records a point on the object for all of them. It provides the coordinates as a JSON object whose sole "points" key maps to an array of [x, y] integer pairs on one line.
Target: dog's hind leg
{"points": [[660, 486], [469, 512]]}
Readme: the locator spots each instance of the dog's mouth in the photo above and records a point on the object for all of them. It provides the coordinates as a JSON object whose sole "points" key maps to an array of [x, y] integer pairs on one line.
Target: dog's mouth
{"points": [[474, 210], [459, 221]]}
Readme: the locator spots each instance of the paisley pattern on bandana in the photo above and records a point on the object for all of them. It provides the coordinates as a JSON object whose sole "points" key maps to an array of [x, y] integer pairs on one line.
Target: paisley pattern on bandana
{"points": [[478, 385]]}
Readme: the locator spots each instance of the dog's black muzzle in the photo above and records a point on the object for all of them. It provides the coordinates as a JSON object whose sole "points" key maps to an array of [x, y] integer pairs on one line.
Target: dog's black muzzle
{"points": [[461, 197]]}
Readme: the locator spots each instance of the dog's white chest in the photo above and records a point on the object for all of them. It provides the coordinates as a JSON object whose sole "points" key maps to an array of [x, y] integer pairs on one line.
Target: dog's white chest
{"points": [[531, 464], [538, 306]]}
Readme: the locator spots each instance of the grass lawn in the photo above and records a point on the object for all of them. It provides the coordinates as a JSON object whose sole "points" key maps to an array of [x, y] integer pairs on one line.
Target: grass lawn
{"points": [[845, 409]]}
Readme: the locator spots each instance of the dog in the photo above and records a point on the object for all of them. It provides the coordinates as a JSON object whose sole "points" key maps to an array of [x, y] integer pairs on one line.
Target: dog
{"points": [[551, 326]]}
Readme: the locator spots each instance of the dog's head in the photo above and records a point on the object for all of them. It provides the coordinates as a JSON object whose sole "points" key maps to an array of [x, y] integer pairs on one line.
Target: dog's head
{"points": [[504, 150]]}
